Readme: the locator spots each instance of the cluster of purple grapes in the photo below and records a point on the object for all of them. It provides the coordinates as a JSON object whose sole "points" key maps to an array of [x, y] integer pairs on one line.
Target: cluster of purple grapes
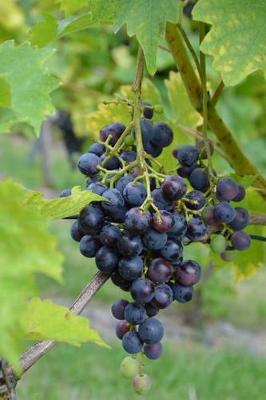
{"points": [[137, 234]]}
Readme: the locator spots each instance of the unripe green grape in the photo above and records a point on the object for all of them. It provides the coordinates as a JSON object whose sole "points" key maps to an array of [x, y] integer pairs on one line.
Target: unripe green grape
{"points": [[129, 140], [129, 367], [218, 244], [228, 255], [142, 383]]}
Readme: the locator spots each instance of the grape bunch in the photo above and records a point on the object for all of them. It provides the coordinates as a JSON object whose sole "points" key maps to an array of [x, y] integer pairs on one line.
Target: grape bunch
{"points": [[138, 233]]}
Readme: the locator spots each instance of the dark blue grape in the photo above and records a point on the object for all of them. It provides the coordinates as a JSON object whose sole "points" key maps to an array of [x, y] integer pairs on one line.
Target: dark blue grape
{"points": [[118, 309], [88, 164], [240, 240], [121, 282], [199, 179], [152, 149], [185, 172], [153, 351], [163, 296], [196, 229], [136, 221], [135, 194], [122, 182], [241, 219], [241, 193], [174, 188], [130, 268], [151, 331], [135, 313], [151, 309], [114, 201], [208, 216], [109, 235], [142, 290], [65, 193], [182, 293], [131, 342], [187, 155], [160, 270], [129, 156], [160, 201], [97, 148], [129, 246], [180, 226], [106, 259], [147, 110], [188, 273], [196, 200], [171, 251], [224, 212], [114, 130], [154, 240], [122, 328], [163, 222], [91, 219], [89, 246], [162, 135], [76, 232], [97, 187], [226, 189], [111, 163]]}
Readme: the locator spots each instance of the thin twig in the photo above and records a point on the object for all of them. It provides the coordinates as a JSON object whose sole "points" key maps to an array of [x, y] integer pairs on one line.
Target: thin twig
{"points": [[216, 94], [257, 219], [34, 353], [164, 48]]}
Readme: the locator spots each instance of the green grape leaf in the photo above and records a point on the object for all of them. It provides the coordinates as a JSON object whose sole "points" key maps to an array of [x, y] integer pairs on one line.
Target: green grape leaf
{"points": [[44, 32], [71, 6], [26, 248], [64, 206], [237, 39], [46, 320], [5, 94], [24, 69], [146, 19], [106, 114]]}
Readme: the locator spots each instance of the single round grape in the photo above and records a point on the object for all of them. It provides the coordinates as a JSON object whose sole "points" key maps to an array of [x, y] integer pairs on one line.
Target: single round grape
{"points": [[240, 240], [142, 290], [218, 244], [75, 232], [188, 273], [196, 200], [199, 179], [114, 201], [174, 188], [163, 296], [180, 225], [196, 229], [97, 148], [228, 255], [135, 313], [153, 149], [129, 156], [172, 251], [89, 246], [153, 351], [135, 194], [151, 331], [160, 270], [187, 155], [65, 193], [147, 110], [226, 189], [97, 187], [91, 219], [208, 216], [162, 223], [106, 259], [88, 164], [241, 219], [109, 235], [163, 135], [122, 182], [141, 383], [129, 367], [182, 293], [160, 201], [114, 130], [185, 172], [224, 212], [121, 282], [111, 163], [118, 309], [154, 240], [131, 342], [241, 193], [130, 268], [136, 221], [129, 246], [151, 309], [121, 329]]}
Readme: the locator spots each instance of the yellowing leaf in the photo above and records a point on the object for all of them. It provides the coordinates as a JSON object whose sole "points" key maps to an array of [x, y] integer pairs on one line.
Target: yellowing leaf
{"points": [[26, 248], [62, 207], [237, 39], [11, 15], [149, 92], [46, 320]]}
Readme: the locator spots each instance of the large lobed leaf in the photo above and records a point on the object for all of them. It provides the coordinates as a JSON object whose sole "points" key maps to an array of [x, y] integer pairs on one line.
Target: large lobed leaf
{"points": [[237, 39], [23, 68]]}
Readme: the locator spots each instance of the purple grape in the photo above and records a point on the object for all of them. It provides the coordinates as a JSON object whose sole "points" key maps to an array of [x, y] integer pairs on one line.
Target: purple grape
{"points": [[121, 329], [129, 246], [208, 216], [180, 226], [135, 313], [114, 130], [135, 194], [154, 240], [131, 342], [97, 187], [142, 290], [109, 235], [130, 268], [187, 155], [89, 246], [185, 172], [88, 164], [147, 110], [151, 309], [224, 212], [160, 270], [240, 240], [129, 156], [136, 221], [91, 219], [241, 193], [188, 273], [153, 351], [163, 296], [196, 229], [121, 282], [172, 251], [163, 135], [241, 219], [174, 188], [97, 148], [111, 163], [196, 200], [182, 293], [114, 201], [151, 331], [226, 189], [160, 201], [199, 179], [122, 182], [76, 232], [106, 259], [118, 309], [164, 224]]}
